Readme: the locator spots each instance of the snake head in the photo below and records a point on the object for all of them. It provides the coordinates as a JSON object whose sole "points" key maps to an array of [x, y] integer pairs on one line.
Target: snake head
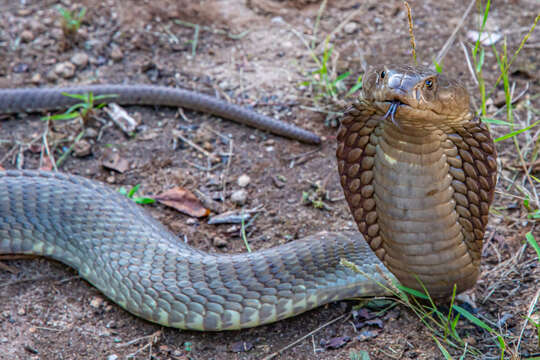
{"points": [[416, 96]]}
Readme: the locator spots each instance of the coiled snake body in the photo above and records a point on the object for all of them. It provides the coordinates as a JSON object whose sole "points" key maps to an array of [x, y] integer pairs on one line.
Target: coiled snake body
{"points": [[418, 171]]}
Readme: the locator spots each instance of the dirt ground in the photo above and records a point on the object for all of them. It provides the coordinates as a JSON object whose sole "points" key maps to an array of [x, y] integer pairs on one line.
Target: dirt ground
{"points": [[249, 52]]}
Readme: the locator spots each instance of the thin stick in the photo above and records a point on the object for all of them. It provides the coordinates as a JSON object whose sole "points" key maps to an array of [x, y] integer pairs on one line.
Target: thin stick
{"points": [[191, 143], [469, 64], [152, 336], [342, 24], [452, 37], [46, 144], [532, 306], [273, 355]]}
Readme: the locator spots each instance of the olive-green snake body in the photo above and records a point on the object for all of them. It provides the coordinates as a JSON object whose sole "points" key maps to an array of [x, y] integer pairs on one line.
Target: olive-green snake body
{"points": [[418, 172]]}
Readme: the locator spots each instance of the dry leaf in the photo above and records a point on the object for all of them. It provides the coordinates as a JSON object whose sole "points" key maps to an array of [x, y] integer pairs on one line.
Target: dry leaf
{"points": [[47, 164], [184, 201], [112, 160]]}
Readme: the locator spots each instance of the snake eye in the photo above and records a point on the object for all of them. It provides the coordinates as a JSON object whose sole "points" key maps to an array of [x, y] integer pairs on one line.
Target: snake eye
{"points": [[429, 83], [383, 74]]}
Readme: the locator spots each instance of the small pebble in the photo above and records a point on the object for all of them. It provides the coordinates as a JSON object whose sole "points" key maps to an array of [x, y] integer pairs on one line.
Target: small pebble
{"points": [[219, 242], [116, 53], [112, 357], [239, 197], [243, 180], [24, 12], [51, 76], [36, 78], [4, 340], [35, 25], [82, 148], [21, 311], [56, 33], [65, 70], [207, 146], [80, 60], [96, 302], [351, 27], [27, 36], [91, 133]]}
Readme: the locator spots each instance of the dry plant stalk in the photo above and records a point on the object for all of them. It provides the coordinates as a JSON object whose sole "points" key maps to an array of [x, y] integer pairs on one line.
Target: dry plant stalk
{"points": [[411, 34]]}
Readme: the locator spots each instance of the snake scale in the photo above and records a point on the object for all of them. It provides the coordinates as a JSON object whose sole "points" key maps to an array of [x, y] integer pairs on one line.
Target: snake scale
{"points": [[418, 171]]}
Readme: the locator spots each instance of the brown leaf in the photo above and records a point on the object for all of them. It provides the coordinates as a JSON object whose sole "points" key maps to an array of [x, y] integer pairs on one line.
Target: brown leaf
{"points": [[112, 160], [184, 201], [47, 164]]}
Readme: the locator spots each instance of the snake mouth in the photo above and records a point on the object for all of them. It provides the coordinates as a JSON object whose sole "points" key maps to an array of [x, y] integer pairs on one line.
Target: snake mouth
{"points": [[394, 104]]}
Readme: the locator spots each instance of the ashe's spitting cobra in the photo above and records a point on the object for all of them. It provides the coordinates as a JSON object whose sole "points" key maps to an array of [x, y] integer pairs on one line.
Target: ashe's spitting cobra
{"points": [[417, 167]]}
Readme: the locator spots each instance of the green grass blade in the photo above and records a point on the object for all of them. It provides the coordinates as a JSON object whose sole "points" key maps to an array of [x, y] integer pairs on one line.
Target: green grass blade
{"points": [[514, 133], [532, 241], [445, 352], [68, 116], [413, 292], [82, 97], [472, 318], [495, 121], [143, 200], [356, 86], [438, 66], [133, 190]]}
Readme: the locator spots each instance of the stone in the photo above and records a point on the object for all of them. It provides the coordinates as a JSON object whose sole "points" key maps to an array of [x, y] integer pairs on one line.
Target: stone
{"points": [[96, 302], [219, 242], [243, 180], [116, 53], [350, 27], [65, 70], [80, 60], [27, 36], [239, 197], [36, 78], [82, 148]]}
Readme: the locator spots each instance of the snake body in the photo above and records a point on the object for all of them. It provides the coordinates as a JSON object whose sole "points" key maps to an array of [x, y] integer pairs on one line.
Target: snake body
{"points": [[32, 99], [418, 171]]}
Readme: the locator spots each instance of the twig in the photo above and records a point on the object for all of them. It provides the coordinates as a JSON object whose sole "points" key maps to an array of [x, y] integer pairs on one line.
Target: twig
{"points": [[530, 311], [298, 156], [273, 355], [469, 64], [317, 22], [450, 40], [67, 152], [342, 24], [202, 168], [136, 340], [46, 144], [8, 268], [177, 134], [226, 172]]}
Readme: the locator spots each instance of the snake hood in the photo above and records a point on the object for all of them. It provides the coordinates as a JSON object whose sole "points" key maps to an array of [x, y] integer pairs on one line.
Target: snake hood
{"points": [[417, 97]]}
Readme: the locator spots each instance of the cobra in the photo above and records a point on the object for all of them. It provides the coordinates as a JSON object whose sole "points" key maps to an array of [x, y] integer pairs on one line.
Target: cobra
{"points": [[418, 170]]}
